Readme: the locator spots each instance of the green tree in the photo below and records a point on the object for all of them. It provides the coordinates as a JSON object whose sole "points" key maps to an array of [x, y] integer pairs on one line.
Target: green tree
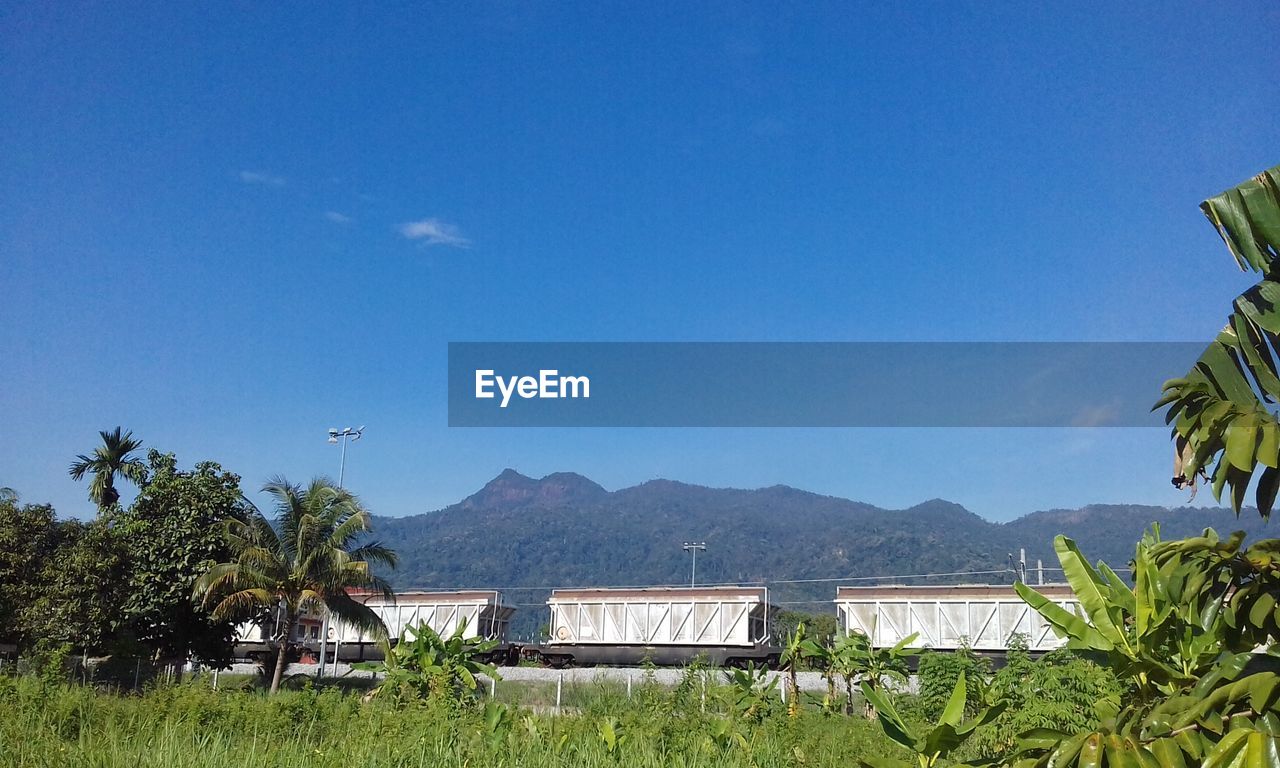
{"points": [[114, 457], [307, 560], [751, 692], [1222, 428], [1183, 635], [175, 534], [29, 539], [821, 627], [79, 602]]}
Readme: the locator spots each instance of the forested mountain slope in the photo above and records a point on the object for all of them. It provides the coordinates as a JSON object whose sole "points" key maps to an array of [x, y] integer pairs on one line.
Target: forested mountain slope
{"points": [[565, 530]]}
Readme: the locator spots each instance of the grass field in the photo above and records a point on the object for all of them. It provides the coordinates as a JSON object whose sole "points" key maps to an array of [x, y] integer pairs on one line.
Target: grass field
{"points": [[191, 724]]}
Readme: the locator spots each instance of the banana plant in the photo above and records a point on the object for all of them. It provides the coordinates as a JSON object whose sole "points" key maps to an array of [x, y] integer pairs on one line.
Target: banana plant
{"points": [[751, 692], [1183, 635], [931, 747], [855, 658], [1222, 428], [423, 665], [797, 648]]}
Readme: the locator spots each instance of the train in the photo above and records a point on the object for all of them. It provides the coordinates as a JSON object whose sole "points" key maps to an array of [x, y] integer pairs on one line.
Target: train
{"points": [[726, 626]]}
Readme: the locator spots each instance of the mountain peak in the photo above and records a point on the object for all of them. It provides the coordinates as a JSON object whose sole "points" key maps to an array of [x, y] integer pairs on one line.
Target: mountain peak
{"points": [[511, 489]]}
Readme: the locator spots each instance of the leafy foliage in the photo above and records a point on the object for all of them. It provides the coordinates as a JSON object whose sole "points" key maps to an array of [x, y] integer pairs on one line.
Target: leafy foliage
{"points": [[1222, 428], [174, 530], [940, 672], [29, 539], [821, 627], [1058, 692], [424, 667], [931, 746], [1182, 642], [798, 647], [79, 597], [856, 659], [752, 692], [194, 726]]}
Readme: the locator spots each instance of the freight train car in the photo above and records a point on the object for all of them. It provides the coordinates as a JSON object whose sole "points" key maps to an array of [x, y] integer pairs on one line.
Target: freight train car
{"points": [[666, 626], [483, 613], [983, 617]]}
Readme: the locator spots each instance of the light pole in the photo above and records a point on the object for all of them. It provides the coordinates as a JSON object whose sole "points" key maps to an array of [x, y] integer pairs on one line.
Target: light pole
{"points": [[334, 434], [693, 547], [344, 433]]}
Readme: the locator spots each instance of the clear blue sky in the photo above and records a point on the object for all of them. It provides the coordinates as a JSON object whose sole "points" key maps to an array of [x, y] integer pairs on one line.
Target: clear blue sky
{"points": [[229, 227]]}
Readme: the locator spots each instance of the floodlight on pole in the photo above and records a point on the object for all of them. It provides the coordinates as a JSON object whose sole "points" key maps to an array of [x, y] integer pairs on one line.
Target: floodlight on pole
{"points": [[344, 433], [693, 547]]}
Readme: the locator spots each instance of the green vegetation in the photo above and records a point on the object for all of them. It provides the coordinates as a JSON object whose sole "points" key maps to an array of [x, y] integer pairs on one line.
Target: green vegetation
{"points": [[307, 558], [189, 724], [119, 585], [854, 658], [114, 457], [931, 743], [1219, 409], [424, 667]]}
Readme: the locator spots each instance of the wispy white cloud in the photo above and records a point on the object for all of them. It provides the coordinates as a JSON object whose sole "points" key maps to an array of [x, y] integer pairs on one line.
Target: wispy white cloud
{"points": [[257, 177], [337, 218], [434, 232]]}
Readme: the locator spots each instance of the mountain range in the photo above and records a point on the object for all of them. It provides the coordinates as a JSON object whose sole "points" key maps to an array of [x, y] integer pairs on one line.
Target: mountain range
{"points": [[524, 536]]}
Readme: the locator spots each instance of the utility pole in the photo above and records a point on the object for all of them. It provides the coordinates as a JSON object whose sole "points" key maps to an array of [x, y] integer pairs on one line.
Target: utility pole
{"points": [[1022, 565], [693, 547]]}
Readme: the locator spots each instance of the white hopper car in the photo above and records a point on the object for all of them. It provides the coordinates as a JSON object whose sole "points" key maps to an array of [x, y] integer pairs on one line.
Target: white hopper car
{"points": [[481, 613], [726, 626], [983, 617]]}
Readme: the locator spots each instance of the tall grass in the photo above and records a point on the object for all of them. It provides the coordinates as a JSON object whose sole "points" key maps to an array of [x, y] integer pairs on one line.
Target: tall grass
{"points": [[190, 725]]}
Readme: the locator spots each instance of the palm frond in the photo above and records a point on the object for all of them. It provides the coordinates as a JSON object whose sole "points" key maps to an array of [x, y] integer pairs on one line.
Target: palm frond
{"points": [[377, 553], [243, 604], [357, 614]]}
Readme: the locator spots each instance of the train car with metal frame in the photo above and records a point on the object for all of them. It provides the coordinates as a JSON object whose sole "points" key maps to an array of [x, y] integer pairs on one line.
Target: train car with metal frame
{"points": [[665, 626], [981, 617], [483, 614]]}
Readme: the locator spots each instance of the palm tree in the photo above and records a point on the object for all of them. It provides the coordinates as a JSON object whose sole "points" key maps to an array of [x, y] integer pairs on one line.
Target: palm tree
{"points": [[307, 560], [113, 457]]}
